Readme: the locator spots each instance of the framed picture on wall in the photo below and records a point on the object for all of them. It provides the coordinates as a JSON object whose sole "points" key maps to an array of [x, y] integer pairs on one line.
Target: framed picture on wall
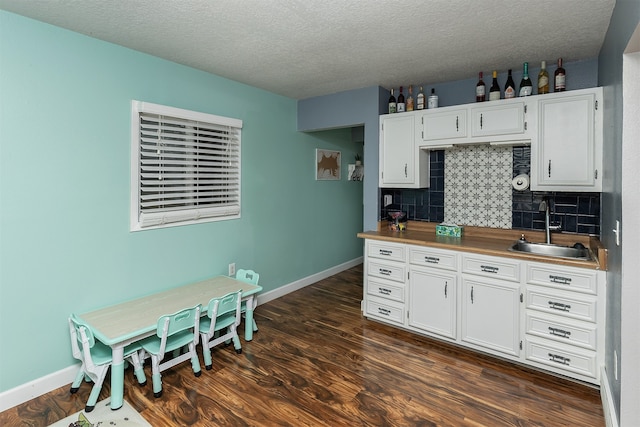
{"points": [[328, 165]]}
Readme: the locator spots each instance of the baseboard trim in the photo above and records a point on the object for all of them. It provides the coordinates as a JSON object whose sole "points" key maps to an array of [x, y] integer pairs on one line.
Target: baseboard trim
{"points": [[608, 407], [306, 281], [37, 387], [43, 385]]}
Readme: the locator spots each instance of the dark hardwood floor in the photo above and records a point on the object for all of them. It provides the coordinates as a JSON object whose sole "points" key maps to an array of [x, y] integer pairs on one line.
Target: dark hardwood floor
{"points": [[317, 362]]}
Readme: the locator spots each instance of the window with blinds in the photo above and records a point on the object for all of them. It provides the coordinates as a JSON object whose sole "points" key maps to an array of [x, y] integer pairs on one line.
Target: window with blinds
{"points": [[185, 166]]}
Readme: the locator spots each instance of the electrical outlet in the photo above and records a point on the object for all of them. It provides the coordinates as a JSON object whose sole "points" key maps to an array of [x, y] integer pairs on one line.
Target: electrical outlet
{"points": [[388, 199], [232, 269]]}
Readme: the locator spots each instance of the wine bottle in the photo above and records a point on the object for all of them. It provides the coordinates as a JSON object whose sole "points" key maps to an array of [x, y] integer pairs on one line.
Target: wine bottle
{"points": [[543, 79], [526, 88], [410, 99], [480, 89], [392, 104], [420, 100], [559, 78], [401, 105], [494, 91], [509, 87], [433, 99]]}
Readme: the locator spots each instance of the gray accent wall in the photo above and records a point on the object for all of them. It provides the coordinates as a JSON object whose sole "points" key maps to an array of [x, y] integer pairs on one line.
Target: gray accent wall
{"points": [[355, 108], [625, 19]]}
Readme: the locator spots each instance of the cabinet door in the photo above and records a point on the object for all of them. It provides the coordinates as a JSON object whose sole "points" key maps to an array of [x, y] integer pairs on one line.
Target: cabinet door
{"points": [[567, 155], [397, 142], [432, 301], [490, 314], [502, 119], [443, 125]]}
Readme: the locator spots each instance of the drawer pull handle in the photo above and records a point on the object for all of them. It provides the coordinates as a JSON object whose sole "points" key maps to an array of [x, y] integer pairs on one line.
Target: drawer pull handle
{"points": [[559, 359], [559, 306], [385, 272], [489, 269], [384, 311], [445, 288], [384, 291], [560, 279], [432, 259], [386, 252], [559, 332]]}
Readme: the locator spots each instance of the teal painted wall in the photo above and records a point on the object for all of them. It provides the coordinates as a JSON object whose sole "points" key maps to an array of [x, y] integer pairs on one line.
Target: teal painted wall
{"points": [[65, 244]]}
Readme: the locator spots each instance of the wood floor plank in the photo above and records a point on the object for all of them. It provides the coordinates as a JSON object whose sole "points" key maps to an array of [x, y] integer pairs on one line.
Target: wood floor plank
{"points": [[316, 361]]}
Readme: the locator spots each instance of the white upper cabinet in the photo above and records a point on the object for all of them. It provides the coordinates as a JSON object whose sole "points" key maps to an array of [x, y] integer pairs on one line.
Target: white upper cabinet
{"points": [[443, 124], [567, 155], [500, 119], [501, 122], [402, 164]]}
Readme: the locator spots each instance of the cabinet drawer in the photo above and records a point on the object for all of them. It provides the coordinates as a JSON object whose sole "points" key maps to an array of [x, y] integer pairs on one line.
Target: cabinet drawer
{"points": [[432, 258], [499, 268], [387, 270], [562, 357], [385, 310], [562, 278], [567, 304], [386, 250], [385, 289], [581, 334]]}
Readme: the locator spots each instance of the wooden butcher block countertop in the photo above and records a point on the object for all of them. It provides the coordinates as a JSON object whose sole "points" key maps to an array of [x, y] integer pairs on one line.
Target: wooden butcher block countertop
{"points": [[491, 241]]}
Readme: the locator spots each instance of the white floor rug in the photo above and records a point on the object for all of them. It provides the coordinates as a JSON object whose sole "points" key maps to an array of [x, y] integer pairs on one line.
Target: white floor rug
{"points": [[103, 416]]}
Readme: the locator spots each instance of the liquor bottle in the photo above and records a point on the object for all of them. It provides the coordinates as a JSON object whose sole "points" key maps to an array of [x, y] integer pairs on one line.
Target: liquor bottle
{"points": [[480, 89], [420, 100], [559, 78], [410, 99], [543, 79], [509, 87], [401, 105], [526, 88], [433, 99], [392, 104], [494, 91]]}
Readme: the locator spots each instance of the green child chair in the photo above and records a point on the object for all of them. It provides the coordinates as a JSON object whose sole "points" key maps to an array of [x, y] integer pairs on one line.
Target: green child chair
{"points": [[96, 359], [223, 314], [248, 276], [174, 331]]}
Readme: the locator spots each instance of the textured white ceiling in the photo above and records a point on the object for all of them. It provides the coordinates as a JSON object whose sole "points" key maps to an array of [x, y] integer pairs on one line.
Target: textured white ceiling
{"points": [[305, 48]]}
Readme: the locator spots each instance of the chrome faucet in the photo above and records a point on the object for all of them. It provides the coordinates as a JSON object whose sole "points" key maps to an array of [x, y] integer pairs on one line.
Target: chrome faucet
{"points": [[544, 205]]}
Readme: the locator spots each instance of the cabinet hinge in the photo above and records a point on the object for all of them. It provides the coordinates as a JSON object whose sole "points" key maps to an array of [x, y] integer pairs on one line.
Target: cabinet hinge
{"points": [[520, 345], [596, 104], [521, 298], [525, 125], [525, 109]]}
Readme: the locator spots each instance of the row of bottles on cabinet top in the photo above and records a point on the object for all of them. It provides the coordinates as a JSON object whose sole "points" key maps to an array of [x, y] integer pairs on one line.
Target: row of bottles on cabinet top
{"points": [[526, 86], [402, 104]]}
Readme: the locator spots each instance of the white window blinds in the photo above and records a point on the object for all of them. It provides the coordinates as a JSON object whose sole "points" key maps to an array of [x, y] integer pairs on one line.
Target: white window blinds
{"points": [[187, 166]]}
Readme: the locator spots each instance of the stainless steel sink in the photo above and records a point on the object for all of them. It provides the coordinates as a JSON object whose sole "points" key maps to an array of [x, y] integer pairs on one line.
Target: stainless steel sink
{"points": [[577, 251]]}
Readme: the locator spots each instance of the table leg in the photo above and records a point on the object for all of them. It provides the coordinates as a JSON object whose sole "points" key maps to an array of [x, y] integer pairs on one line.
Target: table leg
{"points": [[117, 377], [248, 320]]}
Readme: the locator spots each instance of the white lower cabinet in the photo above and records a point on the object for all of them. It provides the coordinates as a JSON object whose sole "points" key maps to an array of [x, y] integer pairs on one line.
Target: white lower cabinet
{"points": [[384, 281], [432, 301], [491, 314], [547, 316], [564, 326]]}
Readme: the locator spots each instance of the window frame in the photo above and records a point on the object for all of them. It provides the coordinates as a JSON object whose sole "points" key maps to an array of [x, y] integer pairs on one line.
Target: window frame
{"points": [[142, 216]]}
